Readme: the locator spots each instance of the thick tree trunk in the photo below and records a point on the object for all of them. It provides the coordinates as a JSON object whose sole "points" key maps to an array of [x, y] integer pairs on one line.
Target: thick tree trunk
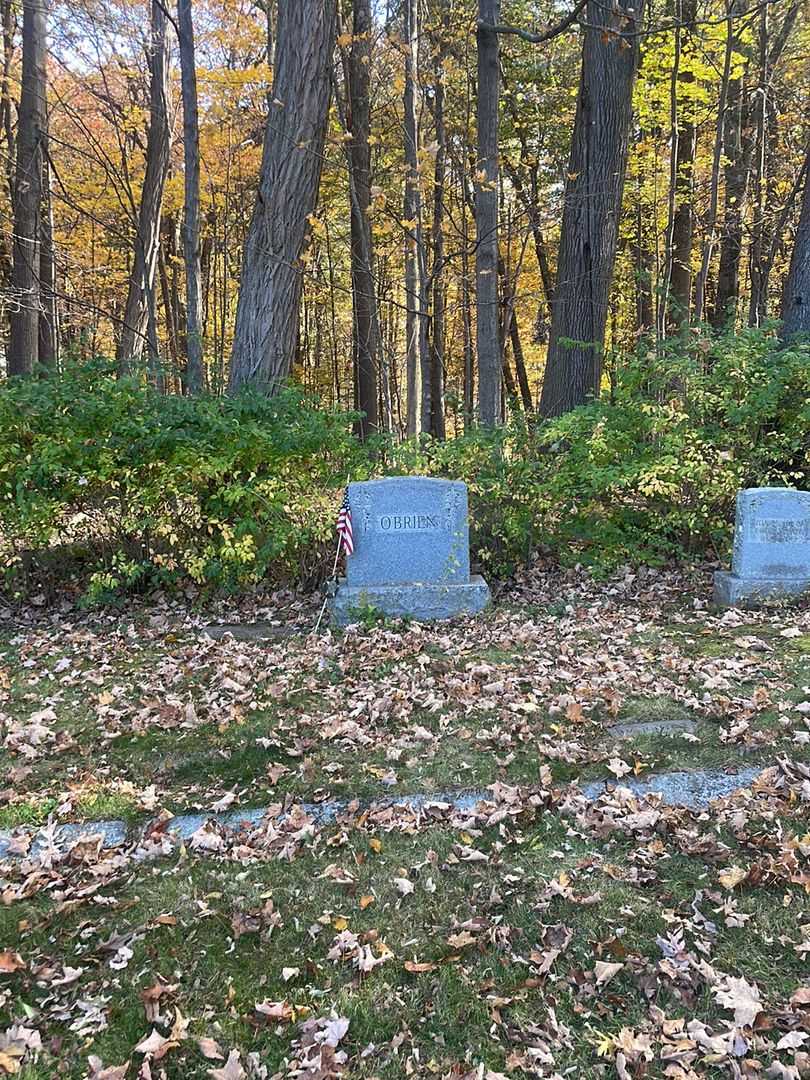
{"points": [[23, 346], [486, 218], [270, 291], [593, 199], [366, 336], [796, 295], [147, 236], [193, 381]]}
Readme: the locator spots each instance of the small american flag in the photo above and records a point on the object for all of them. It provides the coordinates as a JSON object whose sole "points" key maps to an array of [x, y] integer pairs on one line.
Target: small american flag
{"points": [[344, 525]]}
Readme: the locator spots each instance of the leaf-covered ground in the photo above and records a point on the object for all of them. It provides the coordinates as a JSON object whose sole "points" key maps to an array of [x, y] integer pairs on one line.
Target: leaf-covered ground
{"points": [[536, 935]]}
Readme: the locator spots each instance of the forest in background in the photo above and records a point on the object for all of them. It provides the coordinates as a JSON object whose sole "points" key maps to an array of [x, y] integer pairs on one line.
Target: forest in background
{"points": [[425, 241]]}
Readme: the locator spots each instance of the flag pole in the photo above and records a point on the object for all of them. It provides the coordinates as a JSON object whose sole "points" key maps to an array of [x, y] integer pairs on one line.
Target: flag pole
{"points": [[334, 574], [332, 578]]}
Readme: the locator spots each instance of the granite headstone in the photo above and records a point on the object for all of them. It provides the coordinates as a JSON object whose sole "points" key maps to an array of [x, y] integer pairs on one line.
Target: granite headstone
{"points": [[411, 551], [771, 558]]}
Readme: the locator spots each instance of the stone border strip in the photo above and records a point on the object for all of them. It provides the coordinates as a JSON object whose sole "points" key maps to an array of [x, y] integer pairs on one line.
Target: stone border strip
{"points": [[694, 790]]}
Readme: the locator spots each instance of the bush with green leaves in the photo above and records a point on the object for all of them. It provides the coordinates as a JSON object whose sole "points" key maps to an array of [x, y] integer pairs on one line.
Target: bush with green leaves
{"points": [[108, 482], [650, 472], [108, 486]]}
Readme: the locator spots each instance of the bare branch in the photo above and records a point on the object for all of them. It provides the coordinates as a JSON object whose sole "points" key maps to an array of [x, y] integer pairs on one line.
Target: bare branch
{"points": [[530, 35]]}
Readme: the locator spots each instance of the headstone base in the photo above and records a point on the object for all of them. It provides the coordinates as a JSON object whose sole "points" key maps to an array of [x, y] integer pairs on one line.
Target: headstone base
{"points": [[733, 591], [414, 600]]}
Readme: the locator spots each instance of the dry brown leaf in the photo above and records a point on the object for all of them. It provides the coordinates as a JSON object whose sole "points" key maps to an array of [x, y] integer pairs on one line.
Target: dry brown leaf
{"points": [[231, 1070], [275, 1010], [416, 968], [210, 1048], [152, 1043], [10, 962], [732, 877], [605, 970], [741, 997]]}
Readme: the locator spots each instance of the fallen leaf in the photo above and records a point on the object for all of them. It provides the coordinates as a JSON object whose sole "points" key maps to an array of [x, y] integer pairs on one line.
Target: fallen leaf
{"points": [[604, 971], [275, 1010], [792, 1041], [740, 996], [732, 877], [416, 968], [210, 1048], [231, 1070], [10, 962], [152, 1044]]}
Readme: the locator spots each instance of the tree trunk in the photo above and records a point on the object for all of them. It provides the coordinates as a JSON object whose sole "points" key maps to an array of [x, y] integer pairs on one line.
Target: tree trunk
{"points": [[679, 272], [662, 292], [267, 311], [417, 360], [486, 218], [764, 229], [520, 364], [508, 332], [644, 263], [466, 320], [737, 155], [48, 317], [23, 347], [734, 7], [169, 311], [147, 236], [437, 358], [796, 295], [366, 335], [6, 121], [532, 209], [193, 381], [593, 199]]}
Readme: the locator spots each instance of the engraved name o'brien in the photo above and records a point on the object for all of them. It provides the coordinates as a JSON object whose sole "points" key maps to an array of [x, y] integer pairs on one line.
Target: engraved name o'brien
{"points": [[408, 522], [782, 530]]}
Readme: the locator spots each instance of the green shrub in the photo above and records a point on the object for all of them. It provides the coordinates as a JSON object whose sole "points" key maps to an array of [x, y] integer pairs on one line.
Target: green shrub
{"points": [[107, 480], [110, 486], [648, 475]]}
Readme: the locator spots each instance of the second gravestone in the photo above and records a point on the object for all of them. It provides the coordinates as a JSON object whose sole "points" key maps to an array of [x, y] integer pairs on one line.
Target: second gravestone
{"points": [[771, 558], [411, 551]]}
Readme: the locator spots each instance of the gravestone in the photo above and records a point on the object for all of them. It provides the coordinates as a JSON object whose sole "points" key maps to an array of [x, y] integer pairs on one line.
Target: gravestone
{"points": [[411, 551], [771, 558]]}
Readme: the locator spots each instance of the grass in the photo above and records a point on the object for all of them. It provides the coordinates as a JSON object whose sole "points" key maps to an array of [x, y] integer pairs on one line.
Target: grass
{"points": [[446, 1014], [143, 717], [192, 765]]}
